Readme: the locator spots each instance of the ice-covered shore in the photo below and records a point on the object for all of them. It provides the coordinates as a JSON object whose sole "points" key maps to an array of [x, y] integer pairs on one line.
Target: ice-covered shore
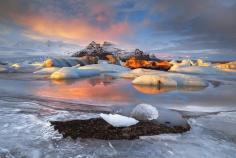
{"points": [[26, 109]]}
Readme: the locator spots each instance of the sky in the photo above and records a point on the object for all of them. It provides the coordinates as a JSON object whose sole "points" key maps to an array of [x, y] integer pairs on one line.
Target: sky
{"points": [[206, 27]]}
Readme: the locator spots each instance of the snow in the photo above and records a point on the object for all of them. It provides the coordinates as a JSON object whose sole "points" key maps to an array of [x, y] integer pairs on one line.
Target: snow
{"points": [[117, 120], [173, 80], [73, 73], [47, 71], [144, 112], [105, 68]]}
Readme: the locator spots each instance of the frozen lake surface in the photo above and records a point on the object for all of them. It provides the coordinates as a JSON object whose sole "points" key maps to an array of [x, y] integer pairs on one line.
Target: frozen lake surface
{"points": [[28, 102]]}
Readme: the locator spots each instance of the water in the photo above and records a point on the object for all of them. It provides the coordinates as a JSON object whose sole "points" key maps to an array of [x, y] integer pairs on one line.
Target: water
{"points": [[28, 102]]}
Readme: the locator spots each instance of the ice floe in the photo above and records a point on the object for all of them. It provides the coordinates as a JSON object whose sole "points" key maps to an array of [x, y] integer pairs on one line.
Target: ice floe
{"points": [[47, 71], [117, 120], [105, 68], [173, 80], [73, 73]]}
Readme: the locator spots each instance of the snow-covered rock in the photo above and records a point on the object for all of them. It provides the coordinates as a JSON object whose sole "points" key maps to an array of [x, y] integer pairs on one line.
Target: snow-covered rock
{"points": [[47, 71], [117, 120], [144, 112], [73, 73], [172, 80], [105, 68]]}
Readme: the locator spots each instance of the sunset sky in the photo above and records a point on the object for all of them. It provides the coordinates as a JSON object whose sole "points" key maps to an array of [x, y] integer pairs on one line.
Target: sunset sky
{"points": [[166, 26]]}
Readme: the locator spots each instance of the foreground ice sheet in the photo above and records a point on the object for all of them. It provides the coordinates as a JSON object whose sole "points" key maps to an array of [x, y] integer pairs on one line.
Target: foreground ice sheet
{"points": [[25, 132]]}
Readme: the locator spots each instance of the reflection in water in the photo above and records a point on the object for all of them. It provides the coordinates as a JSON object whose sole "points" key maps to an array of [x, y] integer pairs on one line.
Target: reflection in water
{"points": [[152, 89], [157, 90], [95, 89], [102, 90]]}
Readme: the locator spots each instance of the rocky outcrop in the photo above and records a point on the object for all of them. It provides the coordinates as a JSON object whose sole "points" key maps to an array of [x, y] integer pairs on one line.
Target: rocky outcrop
{"points": [[100, 129], [138, 55], [135, 63], [104, 52]]}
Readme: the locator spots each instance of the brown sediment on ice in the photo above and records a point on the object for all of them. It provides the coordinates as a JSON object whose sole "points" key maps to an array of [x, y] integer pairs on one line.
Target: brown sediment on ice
{"points": [[100, 129]]}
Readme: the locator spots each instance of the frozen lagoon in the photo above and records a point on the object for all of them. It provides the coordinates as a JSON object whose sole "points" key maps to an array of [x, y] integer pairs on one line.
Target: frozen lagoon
{"points": [[28, 102]]}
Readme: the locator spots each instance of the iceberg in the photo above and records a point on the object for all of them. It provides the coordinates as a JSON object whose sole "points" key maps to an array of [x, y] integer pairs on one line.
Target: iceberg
{"points": [[105, 68], [73, 73], [47, 71], [172, 80], [144, 112], [117, 120]]}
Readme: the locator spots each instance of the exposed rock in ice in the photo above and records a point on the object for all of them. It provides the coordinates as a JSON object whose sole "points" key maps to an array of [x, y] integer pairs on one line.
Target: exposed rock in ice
{"points": [[105, 68], [47, 71], [117, 120], [144, 112], [170, 80], [72, 73]]}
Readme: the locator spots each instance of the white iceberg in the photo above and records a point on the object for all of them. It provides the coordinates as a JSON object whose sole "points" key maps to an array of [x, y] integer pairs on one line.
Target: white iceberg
{"points": [[117, 120], [73, 73], [4, 68], [105, 68], [144, 112], [47, 71], [171, 79], [195, 69], [139, 72], [24, 67]]}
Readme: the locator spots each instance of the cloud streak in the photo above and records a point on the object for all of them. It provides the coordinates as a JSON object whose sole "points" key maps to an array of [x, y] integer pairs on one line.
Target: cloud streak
{"points": [[164, 25]]}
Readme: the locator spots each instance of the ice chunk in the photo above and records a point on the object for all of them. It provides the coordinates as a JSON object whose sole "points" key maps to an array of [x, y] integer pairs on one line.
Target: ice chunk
{"points": [[72, 73], [155, 80], [117, 120], [195, 69], [106, 68], [171, 80], [144, 112], [47, 71]]}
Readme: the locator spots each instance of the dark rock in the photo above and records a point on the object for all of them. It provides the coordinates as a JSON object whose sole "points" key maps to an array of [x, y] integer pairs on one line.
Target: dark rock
{"points": [[95, 50], [135, 63], [100, 129]]}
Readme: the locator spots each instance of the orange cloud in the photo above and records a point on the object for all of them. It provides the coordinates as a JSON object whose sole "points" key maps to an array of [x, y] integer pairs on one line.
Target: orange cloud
{"points": [[72, 29]]}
